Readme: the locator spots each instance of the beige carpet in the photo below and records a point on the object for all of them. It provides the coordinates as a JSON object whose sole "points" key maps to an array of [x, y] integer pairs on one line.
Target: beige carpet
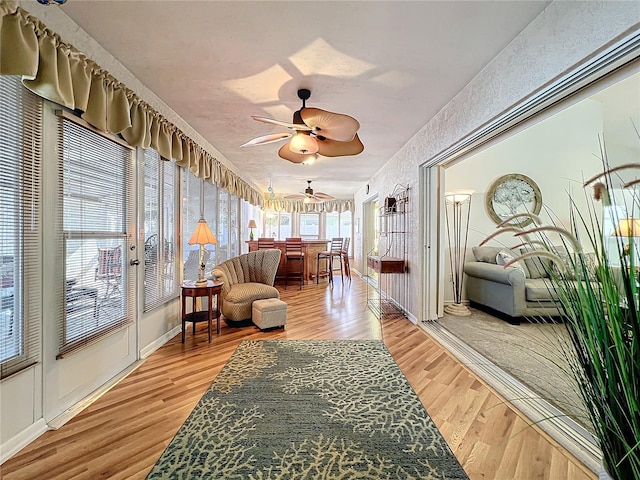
{"points": [[530, 352]]}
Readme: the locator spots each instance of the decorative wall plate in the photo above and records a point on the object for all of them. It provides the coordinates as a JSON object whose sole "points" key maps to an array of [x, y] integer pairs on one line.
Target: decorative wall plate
{"points": [[512, 194]]}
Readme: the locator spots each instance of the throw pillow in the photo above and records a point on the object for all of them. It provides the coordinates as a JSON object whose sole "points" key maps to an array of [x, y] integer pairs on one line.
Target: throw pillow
{"points": [[505, 256], [574, 266], [569, 269], [486, 254], [538, 266]]}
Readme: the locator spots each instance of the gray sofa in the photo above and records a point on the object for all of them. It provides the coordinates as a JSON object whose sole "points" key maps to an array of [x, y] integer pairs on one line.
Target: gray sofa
{"points": [[514, 292]]}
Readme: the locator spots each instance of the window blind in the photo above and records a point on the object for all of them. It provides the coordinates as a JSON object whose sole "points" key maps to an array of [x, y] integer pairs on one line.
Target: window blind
{"points": [[160, 276], [96, 178], [20, 262]]}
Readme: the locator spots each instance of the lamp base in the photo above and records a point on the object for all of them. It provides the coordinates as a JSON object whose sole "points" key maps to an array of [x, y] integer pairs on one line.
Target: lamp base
{"points": [[202, 283], [457, 309]]}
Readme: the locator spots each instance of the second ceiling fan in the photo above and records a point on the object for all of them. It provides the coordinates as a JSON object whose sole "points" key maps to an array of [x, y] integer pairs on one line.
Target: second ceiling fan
{"points": [[313, 132], [308, 196]]}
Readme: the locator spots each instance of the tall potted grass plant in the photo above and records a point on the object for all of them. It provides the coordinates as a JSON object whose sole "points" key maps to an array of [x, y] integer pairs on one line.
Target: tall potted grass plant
{"points": [[598, 288]]}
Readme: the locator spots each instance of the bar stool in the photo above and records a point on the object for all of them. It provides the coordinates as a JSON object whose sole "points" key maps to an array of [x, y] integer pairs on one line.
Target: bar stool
{"points": [[327, 256], [345, 257], [264, 242], [294, 260]]}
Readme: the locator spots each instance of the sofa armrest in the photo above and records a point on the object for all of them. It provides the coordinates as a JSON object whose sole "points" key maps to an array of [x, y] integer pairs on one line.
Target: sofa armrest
{"points": [[495, 273]]}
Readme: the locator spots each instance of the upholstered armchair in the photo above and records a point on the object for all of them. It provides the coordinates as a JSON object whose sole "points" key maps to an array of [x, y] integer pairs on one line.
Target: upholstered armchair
{"points": [[247, 277]]}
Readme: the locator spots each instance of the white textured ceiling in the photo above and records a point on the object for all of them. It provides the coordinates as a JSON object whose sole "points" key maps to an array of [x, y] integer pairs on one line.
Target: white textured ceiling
{"points": [[391, 65]]}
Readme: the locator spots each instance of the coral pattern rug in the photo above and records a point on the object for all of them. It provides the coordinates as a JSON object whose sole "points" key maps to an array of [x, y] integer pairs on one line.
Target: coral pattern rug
{"points": [[296, 409]]}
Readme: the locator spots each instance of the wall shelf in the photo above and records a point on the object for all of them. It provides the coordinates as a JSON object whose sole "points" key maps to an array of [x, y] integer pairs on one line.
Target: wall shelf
{"points": [[387, 262]]}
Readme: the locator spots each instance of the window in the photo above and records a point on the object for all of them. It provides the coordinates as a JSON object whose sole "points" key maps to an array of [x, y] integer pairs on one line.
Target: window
{"points": [[20, 275], [160, 183], [222, 234], [221, 211], [310, 226], [191, 188], [96, 176], [338, 225], [277, 225]]}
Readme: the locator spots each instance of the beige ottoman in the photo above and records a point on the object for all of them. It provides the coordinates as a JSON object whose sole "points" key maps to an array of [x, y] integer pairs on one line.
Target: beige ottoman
{"points": [[269, 313]]}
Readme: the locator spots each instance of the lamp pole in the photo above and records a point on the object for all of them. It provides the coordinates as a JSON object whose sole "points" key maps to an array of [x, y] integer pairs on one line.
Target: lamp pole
{"points": [[459, 203]]}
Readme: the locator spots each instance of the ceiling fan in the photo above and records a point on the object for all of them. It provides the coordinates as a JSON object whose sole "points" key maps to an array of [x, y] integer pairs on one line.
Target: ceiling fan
{"points": [[309, 197], [313, 132]]}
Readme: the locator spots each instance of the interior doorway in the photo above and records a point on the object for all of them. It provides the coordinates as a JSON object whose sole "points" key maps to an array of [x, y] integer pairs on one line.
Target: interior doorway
{"points": [[370, 234], [563, 139]]}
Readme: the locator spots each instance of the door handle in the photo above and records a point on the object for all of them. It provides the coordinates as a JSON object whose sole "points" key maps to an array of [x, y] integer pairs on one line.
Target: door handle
{"points": [[134, 262]]}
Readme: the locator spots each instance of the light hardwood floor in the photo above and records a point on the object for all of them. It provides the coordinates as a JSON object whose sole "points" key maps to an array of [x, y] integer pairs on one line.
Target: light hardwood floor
{"points": [[123, 433]]}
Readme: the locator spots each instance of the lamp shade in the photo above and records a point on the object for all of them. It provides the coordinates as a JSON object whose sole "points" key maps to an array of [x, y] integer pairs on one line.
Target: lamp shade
{"points": [[627, 227], [252, 224], [458, 196], [202, 235], [303, 144]]}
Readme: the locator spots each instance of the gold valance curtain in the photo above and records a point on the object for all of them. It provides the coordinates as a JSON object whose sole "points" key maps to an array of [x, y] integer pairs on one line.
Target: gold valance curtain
{"points": [[298, 206], [58, 72]]}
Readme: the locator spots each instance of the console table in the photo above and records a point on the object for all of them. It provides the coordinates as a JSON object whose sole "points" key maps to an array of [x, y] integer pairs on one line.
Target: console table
{"points": [[194, 291]]}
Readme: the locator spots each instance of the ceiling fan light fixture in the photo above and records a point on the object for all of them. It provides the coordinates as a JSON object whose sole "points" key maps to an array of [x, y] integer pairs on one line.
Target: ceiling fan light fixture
{"points": [[302, 143], [310, 160]]}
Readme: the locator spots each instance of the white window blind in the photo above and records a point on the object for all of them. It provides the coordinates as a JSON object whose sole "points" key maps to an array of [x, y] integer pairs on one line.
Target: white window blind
{"points": [[160, 276], [20, 262], [96, 184]]}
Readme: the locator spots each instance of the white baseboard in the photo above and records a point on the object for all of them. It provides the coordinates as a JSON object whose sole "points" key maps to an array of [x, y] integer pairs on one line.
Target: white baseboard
{"points": [[156, 344], [12, 446], [68, 414]]}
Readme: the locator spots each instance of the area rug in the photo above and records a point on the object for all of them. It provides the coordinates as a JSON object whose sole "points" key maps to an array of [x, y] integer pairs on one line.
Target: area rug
{"points": [[296, 409], [530, 352]]}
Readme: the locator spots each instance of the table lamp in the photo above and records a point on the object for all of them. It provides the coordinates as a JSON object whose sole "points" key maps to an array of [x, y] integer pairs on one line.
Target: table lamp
{"points": [[251, 226], [202, 236]]}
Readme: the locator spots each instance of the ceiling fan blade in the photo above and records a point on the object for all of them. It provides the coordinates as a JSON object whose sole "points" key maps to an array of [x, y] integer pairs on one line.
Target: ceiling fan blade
{"points": [[292, 126], [313, 199], [263, 140], [295, 196], [286, 153], [334, 126], [323, 196], [331, 148]]}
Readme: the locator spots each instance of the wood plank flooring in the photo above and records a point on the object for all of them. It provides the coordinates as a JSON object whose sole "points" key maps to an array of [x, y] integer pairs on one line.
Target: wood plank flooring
{"points": [[123, 433]]}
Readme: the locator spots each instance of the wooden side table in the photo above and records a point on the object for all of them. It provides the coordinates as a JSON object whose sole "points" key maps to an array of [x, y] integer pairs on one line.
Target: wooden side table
{"points": [[194, 291]]}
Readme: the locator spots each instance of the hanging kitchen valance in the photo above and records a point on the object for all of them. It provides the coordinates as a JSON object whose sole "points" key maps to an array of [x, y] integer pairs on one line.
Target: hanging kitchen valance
{"points": [[60, 73], [299, 206]]}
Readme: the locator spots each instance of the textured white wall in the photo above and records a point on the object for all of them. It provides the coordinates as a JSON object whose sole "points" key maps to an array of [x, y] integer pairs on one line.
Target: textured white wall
{"points": [[564, 36]]}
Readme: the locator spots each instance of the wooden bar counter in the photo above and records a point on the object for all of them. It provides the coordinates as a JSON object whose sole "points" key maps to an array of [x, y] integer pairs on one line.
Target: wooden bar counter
{"points": [[310, 249]]}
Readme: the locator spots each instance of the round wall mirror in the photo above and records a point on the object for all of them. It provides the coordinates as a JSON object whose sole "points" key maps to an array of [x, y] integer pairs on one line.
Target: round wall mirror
{"points": [[512, 194]]}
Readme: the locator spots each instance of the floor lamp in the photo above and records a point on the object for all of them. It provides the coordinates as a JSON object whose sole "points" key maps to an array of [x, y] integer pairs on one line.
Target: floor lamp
{"points": [[457, 210]]}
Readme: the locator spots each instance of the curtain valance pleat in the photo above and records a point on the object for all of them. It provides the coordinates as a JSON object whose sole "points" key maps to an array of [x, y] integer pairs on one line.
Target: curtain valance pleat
{"points": [[60, 73], [298, 206]]}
